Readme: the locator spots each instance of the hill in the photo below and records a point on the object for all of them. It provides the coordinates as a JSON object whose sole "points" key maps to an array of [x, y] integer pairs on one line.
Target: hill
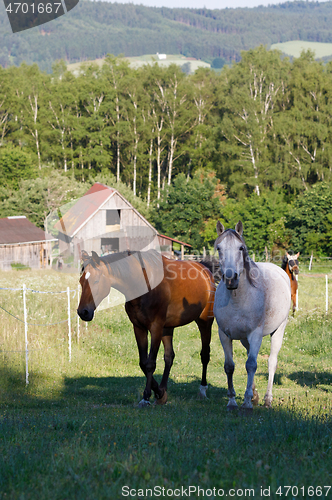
{"points": [[93, 29], [188, 64], [295, 47]]}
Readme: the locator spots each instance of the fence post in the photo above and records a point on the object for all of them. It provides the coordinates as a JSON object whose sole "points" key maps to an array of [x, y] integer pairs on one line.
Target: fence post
{"points": [[69, 325], [26, 336], [78, 318], [327, 294], [310, 263]]}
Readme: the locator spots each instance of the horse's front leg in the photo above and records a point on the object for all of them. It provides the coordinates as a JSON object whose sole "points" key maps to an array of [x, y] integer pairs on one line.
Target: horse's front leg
{"points": [[156, 331], [255, 341], [229, 366], [142, 343], [169, 356], [276, 341], [205, 331], [255, 398]]}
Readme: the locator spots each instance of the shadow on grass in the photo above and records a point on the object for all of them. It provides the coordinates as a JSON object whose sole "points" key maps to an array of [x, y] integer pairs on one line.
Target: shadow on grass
{"points": [[87, 441], [93, 391], [313, 379], [129, 390]]}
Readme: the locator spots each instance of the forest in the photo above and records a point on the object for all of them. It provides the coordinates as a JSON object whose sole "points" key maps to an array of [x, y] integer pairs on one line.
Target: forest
{"points": [[94, 28], [252, 142]]}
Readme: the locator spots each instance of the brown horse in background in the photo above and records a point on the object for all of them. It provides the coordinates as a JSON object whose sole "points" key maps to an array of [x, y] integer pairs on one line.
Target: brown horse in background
{"points": [[184, 292], [290, 264]]}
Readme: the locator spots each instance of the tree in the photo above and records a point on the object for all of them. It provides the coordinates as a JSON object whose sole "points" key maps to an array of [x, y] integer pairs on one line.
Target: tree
{"points": [[38, 198], [248, 101], [15, 165], [264, 220], [187, 204], [310, 220]]}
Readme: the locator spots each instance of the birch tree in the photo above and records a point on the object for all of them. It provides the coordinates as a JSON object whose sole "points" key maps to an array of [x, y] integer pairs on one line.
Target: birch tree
{"points": [[249, 102]]}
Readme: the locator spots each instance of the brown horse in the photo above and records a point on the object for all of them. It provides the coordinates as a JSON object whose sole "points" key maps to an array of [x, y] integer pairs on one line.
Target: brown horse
{"points": [[290, 264], [161, 294]]}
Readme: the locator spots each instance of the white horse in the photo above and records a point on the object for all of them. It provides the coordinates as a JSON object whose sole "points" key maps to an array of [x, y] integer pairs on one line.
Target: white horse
{"points": [[251, 301]]}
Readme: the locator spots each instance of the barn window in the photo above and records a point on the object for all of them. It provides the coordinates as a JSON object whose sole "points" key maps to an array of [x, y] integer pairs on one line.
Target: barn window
{"points": [[109, 245], [112, 217]]}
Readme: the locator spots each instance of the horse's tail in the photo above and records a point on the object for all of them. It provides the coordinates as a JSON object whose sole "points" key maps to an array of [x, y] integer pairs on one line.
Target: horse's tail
{"points": [[212, 264]]}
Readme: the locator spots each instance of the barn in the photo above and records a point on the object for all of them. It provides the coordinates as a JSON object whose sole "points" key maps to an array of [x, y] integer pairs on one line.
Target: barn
{"points": [[23, 243], [105, 222]]}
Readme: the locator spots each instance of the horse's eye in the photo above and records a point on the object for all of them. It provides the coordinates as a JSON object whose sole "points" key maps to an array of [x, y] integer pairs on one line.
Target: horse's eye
{"points": [[241, 248]]}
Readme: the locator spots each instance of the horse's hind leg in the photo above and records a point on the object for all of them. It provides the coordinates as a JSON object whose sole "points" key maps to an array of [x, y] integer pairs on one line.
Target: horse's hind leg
{"points": [[205, 331], [276, 342], [229, 368], [255, 398], [169, 356]]}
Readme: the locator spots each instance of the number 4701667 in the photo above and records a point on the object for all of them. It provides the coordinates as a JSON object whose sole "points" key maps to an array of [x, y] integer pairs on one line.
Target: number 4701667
{"points": [[25, 7], [303, 491]]}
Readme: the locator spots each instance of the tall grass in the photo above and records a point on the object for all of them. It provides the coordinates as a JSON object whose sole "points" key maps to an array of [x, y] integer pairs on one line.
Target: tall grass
{"points": [[75, 431]]}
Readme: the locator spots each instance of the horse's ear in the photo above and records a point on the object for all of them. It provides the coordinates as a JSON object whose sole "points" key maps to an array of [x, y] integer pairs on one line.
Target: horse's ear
{"points": [[84, 255], [297, 255], [288, 256], [239, 228], [220, 228], [95, 257]]}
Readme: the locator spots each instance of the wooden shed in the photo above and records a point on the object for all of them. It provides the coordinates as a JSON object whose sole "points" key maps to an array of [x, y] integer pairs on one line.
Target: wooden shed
{"points": [[21, 242], [104, 221]]}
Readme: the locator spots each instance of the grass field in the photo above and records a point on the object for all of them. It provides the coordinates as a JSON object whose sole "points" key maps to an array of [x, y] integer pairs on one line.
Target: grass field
{"points": [[295, 47], [75, 432], [139, 61]]}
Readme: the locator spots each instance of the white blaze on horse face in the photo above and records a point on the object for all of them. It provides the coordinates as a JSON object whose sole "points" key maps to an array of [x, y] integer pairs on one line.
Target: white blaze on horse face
{"points": [[87, 276], [231, 258]]}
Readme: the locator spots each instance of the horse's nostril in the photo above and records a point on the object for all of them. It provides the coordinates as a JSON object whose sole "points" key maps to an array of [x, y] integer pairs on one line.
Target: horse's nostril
{"points": [[229, 274], [235, 276]]}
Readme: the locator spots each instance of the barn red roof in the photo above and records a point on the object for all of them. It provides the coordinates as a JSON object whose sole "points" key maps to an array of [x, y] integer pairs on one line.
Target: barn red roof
{"points": [[84, 208], [20, 230]]}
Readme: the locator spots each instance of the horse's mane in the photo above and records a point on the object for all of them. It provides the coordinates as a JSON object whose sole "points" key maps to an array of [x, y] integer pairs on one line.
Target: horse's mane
{"points": [[248, 263], [150, 259], [284, 263], [107, 259], [212, 264]]}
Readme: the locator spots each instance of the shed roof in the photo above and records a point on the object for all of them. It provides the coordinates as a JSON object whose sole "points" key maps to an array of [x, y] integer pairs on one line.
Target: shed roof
{"points": [[175, 241], [19, 229]]}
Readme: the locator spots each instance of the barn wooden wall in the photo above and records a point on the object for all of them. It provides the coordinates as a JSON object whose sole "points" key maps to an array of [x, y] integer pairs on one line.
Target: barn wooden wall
{"points": [[28, 254]]}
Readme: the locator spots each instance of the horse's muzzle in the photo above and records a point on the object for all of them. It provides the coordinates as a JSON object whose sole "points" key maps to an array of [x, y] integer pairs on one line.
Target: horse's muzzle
{"points": [[231, 280], [231, 284], [85, 314]]}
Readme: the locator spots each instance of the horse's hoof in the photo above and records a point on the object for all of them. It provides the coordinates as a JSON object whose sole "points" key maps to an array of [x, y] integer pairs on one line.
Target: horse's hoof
{"points": [[255, 398], [245, 410], [162, 400], [267, 403], [202, 392], [144, 403], [232, 407]]}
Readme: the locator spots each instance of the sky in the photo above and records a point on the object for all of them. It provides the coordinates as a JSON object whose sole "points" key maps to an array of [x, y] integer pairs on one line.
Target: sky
{"points": [[197, 4]]}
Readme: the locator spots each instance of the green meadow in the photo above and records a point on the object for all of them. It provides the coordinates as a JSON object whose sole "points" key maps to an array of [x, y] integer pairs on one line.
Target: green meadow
{"points": [[294, 48], [75, 432]]}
